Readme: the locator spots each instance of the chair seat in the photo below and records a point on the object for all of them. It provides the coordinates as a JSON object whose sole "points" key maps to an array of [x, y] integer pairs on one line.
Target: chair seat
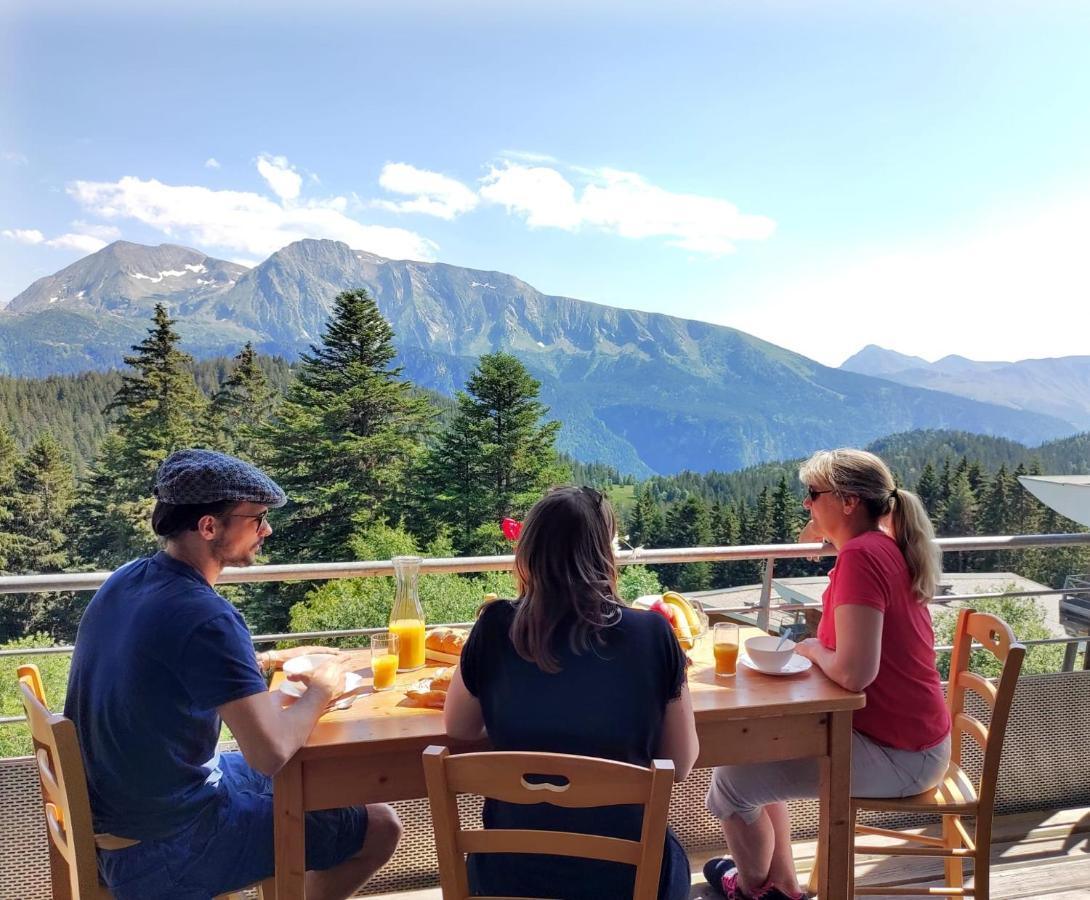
{"points": [[955, 794]]}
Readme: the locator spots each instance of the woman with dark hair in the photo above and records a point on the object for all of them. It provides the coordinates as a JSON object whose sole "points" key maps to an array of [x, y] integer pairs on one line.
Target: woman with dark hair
{"points": [[875, 636], [568, 668]]}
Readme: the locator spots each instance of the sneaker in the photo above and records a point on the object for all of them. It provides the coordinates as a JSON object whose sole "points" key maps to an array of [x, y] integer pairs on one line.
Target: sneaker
{"points": [[722, 875]]}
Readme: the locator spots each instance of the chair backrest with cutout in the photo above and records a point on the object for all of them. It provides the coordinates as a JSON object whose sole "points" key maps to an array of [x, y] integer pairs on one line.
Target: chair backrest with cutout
{"points": [[996, 637], [64, 793], [578, 782]]}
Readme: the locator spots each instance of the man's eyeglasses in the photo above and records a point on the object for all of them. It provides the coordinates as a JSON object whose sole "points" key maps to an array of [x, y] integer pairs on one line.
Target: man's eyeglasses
{"points": [[260, 519], [814, 493]]}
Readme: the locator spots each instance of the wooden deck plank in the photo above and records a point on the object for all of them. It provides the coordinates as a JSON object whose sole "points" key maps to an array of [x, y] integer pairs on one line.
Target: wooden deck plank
{"points": [[1041, 855]]}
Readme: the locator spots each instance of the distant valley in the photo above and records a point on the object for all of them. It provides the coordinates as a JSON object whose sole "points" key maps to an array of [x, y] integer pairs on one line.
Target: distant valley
{"points": [[647, 393]]}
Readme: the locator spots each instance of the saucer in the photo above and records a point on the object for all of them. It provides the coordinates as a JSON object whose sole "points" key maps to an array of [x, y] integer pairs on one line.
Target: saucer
{"points": [[797, 665]]}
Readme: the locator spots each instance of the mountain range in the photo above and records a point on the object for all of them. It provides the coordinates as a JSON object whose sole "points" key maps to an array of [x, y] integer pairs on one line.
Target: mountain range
{"points": [[1058, 387], [645, 392]]}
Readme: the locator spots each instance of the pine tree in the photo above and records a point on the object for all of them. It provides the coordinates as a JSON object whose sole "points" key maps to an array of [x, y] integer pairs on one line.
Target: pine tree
{"points": [[724, 526], [340, 445], [785, 524], [995, 516], [927, 488], [41, 502], [244, 402], [495, 458], [959, 515], [687, 525], [161, 410], [646, 523], [9, 458]]}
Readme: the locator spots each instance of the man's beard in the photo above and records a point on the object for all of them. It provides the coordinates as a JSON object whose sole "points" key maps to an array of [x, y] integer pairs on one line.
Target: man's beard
{"points": [[237, 558]]}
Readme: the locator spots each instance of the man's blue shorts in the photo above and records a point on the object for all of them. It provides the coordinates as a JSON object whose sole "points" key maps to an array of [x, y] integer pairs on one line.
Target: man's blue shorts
{"points": [[228, 846]]}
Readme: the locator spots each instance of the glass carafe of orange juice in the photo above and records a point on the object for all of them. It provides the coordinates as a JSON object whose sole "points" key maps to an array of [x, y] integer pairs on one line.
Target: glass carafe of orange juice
{"points": [[407, 616]]}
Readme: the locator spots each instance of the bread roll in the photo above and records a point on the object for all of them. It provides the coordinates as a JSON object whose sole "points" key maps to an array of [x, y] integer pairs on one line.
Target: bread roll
{"points": [[430, 699], [440, 681]]}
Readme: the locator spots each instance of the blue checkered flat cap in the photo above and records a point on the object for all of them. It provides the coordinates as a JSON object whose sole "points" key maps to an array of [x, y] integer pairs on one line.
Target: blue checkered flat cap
{"points": [[205, 476]]}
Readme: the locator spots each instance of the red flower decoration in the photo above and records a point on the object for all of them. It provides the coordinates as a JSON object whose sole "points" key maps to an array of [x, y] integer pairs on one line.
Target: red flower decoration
{"points": [[512, 528]]}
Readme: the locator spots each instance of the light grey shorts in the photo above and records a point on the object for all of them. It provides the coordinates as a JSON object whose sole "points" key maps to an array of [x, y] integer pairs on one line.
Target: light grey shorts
{"points": [[877, 771]]}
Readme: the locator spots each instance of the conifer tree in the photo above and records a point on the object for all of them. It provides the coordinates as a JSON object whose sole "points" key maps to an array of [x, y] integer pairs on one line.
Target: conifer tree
{"points": [[785, 525], [160, 411], [341, 443], [959, 515], [646, 523], [724, 526], [244, 402], [927, 489], [41, 502], [9, 458], [496, 457], [995, 516], [687, 525]]}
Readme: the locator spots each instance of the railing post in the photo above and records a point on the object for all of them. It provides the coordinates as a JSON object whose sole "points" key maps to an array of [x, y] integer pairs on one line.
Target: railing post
{"points": [[766, 594]]}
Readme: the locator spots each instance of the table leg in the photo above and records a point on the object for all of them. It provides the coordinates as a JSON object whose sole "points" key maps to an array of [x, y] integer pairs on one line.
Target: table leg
{"points": [[289, 832], [835, 836]]}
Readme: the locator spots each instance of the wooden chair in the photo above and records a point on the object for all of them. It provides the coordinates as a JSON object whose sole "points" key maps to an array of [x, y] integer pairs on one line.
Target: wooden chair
{"points": [[957, 796], [590, 782], [72, 862]]}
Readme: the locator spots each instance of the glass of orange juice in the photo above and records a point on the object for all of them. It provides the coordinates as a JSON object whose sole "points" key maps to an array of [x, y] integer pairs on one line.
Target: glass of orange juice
{"points": [[384, 659], [725, 648]]}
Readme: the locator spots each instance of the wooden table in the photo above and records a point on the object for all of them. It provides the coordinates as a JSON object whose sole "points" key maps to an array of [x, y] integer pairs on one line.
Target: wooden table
{"points": [[371, 753]]}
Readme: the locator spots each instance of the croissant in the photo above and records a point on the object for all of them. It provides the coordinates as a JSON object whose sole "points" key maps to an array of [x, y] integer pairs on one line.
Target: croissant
{"points": [[430, 699]]}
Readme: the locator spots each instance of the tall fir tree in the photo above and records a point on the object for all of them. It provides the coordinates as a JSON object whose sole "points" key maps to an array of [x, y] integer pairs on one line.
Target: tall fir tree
{"points": [[495, 458], [160, 410], [243, 403], [927, 489], [687, 525], [340, 445], [42, 500], [9, 458], [645, 524]]}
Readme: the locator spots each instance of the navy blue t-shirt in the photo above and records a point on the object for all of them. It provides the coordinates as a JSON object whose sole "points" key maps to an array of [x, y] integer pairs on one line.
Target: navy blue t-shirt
{"points": [[157, 651], [608, 702]]}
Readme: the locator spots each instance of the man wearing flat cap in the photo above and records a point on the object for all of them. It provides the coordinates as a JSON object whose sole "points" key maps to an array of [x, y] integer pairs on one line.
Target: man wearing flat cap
{"points": [[160, 660]]}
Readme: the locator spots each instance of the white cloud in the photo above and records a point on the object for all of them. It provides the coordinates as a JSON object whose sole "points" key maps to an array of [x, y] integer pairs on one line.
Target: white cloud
{"points": [[542, 195], [14, 158], [106, 232], [435, 194], [24, 235], [1011, 287], [248, 224], [282, 178], [85, 243], [212, 163], [622, 203]]}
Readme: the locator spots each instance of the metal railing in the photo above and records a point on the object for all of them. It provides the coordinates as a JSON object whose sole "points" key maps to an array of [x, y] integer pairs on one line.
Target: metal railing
{"points": [[768, 553]]}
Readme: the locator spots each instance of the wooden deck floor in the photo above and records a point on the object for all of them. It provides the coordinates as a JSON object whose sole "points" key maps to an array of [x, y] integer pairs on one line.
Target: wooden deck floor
{"points": [[1045, 855]]}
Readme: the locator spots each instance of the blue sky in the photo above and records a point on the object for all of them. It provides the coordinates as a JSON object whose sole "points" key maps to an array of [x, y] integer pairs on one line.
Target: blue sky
{"points": [[823, 175]]}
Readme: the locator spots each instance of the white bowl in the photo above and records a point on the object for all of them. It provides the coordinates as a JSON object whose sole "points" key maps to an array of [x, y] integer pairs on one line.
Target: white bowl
{"points": [[762, 650]]}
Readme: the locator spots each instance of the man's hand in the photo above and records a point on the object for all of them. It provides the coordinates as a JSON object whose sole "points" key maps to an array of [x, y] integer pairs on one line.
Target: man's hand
{"points": [[329, 677]]}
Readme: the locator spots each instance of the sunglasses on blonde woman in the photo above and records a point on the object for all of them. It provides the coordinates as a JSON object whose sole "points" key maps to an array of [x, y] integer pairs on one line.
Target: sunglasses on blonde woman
{"points": [[814, 493]]}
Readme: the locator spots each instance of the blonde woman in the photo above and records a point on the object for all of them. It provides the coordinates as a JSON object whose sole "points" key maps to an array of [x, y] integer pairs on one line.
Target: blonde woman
{"points": [[876, 637]]}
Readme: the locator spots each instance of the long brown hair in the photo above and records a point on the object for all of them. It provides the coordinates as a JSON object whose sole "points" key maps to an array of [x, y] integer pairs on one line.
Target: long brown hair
{"points": [[866, 476], [566, 572]]}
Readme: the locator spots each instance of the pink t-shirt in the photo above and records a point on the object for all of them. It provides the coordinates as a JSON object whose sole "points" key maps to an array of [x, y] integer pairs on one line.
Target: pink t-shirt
{"points": [[905, 705]]}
